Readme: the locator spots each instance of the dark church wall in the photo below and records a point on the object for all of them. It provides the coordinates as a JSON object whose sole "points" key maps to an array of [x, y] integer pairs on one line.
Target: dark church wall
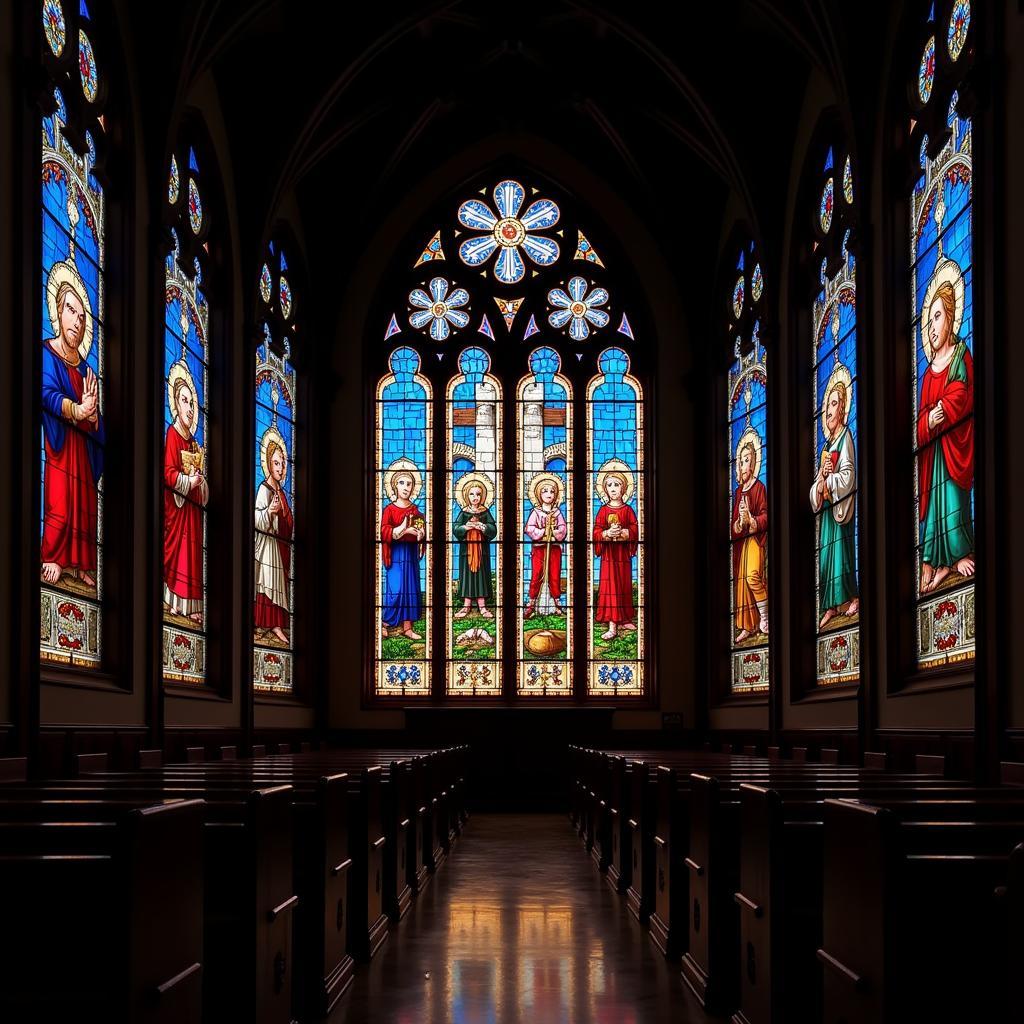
{"points": [[9, 641]]}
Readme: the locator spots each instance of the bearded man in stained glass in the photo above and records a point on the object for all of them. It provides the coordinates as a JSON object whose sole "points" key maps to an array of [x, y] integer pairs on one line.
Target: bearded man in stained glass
{"points": [[73, 434]]}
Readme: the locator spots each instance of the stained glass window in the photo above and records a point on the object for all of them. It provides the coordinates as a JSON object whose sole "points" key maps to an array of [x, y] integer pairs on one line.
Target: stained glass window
{"points": [[275, 469], [186, 455], [832, 476], [404, 527], [544, 505], [615, 506], [519, 335], [746, 501], [942, 321], [72, 438], [475, 590]]}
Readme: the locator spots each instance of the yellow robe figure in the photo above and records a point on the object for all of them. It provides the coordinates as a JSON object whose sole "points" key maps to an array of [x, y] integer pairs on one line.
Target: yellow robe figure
{"points": [[749, 562]]}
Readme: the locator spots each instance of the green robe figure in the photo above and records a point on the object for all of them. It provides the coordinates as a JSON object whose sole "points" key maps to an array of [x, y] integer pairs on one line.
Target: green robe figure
{"points": [[832, 495], [945, 437], [474, 529]]}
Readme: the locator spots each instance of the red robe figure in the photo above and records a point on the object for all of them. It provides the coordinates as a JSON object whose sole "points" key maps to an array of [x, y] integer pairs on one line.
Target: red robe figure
{"points": [[615, 543], [73, 441], [945, 436], [185, 493]]}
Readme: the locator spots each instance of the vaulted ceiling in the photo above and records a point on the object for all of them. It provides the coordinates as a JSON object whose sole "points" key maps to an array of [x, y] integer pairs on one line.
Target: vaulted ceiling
{"points": [[678, 106]]}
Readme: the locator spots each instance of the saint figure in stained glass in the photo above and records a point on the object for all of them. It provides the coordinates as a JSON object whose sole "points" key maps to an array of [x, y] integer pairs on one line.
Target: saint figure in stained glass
{"points": [[474, 529], [750, 530], [274, 528], [73, 434], [402, 535], [186, 493], [946, 469], [616, 536], [546, 527], [833, 493]]}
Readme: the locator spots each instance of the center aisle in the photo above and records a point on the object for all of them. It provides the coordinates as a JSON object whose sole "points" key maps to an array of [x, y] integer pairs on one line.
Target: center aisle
{"points": [[518, 926]]}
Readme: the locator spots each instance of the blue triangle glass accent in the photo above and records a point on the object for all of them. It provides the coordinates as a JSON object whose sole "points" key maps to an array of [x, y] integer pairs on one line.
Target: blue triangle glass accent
{"points": [[625, 328], [83, 10], [739, 264], [393, 327], [271, 248], [931, 13], [829, 160], [193, 164], [284, 262], [485, 328], [531, 328]]}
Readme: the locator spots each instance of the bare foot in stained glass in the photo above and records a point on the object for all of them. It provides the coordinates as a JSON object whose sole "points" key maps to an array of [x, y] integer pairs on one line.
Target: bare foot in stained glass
{"points": [[88, 580], [383, 632], [411, 634], [854, 607], [610, 634], [966, 566], [280, 634], [742, 635], [486, 614], [197, 618], [763, 626], [927, 572], [51, 572], [627, 627], [940, 574], [461, 613], [827, 618]]}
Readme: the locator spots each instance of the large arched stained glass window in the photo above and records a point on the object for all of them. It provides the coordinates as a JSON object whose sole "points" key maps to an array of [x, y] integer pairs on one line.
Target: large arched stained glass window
{"points": [[832, 476], [507, 317], [746, 513], [274, 468], [186, 456], [72, 438], [942, 319], [404, 527]]}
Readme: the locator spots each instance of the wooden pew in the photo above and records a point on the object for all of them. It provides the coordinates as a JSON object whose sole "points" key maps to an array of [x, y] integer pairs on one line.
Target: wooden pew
{"points": [[780, 890], [895, 908], [247, 888], [103, 918]]}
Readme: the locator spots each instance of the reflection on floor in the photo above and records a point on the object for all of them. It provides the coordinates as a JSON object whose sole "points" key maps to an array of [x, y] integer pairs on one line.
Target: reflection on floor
{"points": [[518, 926]]}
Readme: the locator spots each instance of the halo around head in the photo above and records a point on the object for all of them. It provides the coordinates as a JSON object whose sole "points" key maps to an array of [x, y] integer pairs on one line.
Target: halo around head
{"points": [[180, 372], [752, 437], [946, 272], [840, 375], [65, 272], [480, 480], [398, 467], [271, 437], [618, 468], [533, 488]]}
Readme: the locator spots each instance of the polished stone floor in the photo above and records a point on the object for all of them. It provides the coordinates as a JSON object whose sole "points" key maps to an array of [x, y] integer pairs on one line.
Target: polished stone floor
{"points": [[518, 926]]}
